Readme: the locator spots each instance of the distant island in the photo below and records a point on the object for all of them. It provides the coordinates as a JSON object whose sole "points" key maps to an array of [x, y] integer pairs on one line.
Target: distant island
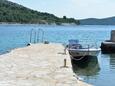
{"points": [[14, 13], [94, 21]]}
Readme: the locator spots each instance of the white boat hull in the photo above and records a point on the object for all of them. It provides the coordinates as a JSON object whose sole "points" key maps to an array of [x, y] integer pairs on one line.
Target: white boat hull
{"points": [[84, 52]]}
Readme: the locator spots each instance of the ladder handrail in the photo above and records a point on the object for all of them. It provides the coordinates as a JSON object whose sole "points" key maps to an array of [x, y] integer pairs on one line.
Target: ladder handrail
{"points": [[37, 34], [42, 34], [31, 35]]}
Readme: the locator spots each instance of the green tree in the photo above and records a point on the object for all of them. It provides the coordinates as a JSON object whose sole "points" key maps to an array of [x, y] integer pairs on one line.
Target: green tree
{"points": [[64, 17]]}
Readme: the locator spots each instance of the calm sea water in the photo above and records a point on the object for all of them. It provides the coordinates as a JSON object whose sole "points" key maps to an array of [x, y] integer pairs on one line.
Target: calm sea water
{"points": [[99, 71]]}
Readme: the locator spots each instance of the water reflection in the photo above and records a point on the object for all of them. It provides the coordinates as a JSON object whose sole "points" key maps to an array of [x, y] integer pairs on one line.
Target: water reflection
{"points": [[112, 61], [88, 67]]}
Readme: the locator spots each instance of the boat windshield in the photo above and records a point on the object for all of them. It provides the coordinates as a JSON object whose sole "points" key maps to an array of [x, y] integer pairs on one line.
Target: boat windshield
{"points": [[74, 44], [73, 41]]}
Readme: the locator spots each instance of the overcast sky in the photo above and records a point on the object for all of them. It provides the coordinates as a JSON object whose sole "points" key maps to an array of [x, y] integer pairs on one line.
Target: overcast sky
{"points": [[73, 8]]}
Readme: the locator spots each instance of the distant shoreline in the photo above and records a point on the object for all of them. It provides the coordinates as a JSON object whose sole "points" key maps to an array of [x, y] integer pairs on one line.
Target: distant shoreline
{"points": [[64, 24], [12, 23]]}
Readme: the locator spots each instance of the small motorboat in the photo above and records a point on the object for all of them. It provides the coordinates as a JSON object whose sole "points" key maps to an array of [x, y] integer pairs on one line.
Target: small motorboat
{"points": [[77, 50]]}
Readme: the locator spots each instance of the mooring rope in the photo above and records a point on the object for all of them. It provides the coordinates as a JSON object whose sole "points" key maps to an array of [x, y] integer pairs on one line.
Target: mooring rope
{"points": [[76, 58]]}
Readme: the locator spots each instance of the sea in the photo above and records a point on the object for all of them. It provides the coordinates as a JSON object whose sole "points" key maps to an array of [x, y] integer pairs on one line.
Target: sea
{"points": [[99, 71]]}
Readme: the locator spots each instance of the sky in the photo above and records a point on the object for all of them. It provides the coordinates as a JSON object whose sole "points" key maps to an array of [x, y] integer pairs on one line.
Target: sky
{"points": [[78, 9]]}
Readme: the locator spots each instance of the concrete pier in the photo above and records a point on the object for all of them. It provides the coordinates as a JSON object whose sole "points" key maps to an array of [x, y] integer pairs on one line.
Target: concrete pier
{"points": [[108, 46], [38, 65]]}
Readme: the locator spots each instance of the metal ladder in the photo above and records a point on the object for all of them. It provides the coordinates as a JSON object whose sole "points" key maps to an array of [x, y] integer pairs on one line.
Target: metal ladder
{"points": [[36, 36]]}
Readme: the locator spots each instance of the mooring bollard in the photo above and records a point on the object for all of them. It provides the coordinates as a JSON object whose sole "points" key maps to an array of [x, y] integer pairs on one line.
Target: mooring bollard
{"points": [[65, 63]]}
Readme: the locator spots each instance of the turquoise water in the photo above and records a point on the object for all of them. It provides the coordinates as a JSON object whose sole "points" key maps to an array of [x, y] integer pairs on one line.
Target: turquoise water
{"points": [[14, 36]]}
